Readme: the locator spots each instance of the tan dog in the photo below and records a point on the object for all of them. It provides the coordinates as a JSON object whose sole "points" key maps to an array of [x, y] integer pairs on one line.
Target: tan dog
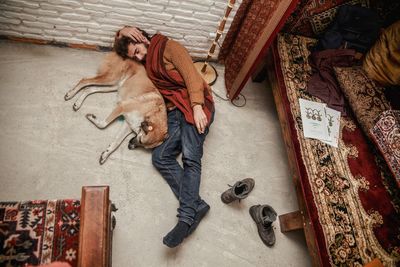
{"points": [[140, 103]]}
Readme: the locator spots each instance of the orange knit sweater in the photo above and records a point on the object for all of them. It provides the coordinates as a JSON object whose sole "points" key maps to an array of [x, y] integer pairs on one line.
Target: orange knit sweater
{"points": [[176, 57]]}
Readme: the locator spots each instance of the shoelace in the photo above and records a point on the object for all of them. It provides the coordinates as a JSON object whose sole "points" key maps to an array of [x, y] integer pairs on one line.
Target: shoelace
{"points": [[267, 224]]}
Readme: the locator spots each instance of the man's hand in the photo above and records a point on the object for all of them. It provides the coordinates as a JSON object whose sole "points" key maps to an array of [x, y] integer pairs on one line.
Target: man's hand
{"points": [[135, 34], [200, 118]]}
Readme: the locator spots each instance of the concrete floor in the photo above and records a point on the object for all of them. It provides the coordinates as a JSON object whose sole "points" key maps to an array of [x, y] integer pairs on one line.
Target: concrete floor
{"points": [[48, 151]]}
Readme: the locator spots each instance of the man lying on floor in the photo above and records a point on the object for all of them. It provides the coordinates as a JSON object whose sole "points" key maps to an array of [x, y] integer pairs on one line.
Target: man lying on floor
{"points": [[190, 113]]}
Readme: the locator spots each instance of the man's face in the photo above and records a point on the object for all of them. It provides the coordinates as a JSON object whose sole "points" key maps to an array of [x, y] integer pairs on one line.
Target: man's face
{"points": [[137, 51]]}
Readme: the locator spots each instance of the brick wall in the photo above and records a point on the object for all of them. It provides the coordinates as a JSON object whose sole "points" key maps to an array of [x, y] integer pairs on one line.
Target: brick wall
{"points": [[94, 22]]}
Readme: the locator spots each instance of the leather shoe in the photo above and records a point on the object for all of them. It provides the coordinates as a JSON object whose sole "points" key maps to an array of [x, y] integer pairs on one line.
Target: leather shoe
{"points": [[238, 191], [264, 216]]}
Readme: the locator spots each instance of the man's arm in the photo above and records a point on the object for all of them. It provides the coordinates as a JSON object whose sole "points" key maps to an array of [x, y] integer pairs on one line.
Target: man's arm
{"points": [[132, 32], [182, 61]]}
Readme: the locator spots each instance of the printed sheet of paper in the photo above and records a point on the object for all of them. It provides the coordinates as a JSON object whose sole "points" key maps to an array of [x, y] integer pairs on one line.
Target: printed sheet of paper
{"points": [[333, 124], [314, 119]]}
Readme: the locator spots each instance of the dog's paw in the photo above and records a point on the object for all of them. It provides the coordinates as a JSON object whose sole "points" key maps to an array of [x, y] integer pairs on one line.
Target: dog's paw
{"points": [[76, 106], [91, 117], [133, 143], [68, 96], [131, 146], [103, 157]]}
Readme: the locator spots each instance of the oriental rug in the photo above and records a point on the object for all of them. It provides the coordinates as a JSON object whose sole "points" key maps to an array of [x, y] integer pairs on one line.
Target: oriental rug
{"points": [[39, 232]]}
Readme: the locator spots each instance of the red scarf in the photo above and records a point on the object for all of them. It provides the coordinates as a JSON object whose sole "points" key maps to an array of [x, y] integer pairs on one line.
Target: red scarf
{"points": [[170, 83]]}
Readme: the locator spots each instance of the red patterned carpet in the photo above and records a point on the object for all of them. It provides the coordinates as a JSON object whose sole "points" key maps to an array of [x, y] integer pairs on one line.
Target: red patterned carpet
{"points": [[39, 232], [351, 196]]}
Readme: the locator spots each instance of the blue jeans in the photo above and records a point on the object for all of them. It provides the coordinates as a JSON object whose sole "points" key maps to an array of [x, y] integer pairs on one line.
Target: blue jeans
{"points": [[184, 182]]}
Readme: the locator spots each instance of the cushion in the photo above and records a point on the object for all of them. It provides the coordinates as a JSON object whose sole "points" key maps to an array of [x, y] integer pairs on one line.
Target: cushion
{"points": [[382, 62], [321, 21], [365, 97], [386, 135]]}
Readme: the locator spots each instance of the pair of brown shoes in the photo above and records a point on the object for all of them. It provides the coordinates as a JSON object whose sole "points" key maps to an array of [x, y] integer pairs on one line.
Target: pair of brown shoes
{"points": [[263, 215]]}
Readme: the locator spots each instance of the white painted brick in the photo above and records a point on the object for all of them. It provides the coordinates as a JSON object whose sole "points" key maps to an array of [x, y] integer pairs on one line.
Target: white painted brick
{"points": [[206, 16], [186, 32], [54, 21], [25, 29], [91, 13], [157, 2], [97, 7], [58, 33], [70, 29], [154, 21], [96, 21], [214, 24], [174, 4], [187, 20], [73, 16], [41, 12], [148, 7], [127, 11], [120, 3], [9, 8], [165, 17], [221, 5], [11, 33], [107, 39], [58, 8], [22, 16], [9, 21], [71, 3], [112, 28], [36, 36], [195, 38], [71, 40], [22, 3], [90, 37], [92, 25], [123, 17], [178, 11], [203, 2], [175, 36], [111, 21], [178, 25], [4, 26], [39, 25], [218, 12], [194, 7], [101, 32]]}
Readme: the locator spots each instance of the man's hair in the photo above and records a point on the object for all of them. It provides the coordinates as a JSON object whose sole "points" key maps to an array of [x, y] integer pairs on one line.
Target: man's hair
{"points": [[121, 44]]}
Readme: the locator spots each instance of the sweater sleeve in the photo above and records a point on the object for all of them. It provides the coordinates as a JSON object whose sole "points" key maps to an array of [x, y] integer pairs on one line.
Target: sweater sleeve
{"points": [[180, 58]]}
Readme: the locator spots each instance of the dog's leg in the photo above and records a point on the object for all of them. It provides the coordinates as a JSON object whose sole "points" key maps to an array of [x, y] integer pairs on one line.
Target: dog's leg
{"points": [[101, 80], [122, 135], [78, 103], [104, 123]]}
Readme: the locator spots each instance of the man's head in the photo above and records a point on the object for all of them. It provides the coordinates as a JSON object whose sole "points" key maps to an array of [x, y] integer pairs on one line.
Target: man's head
{"points": [[126, 47]]}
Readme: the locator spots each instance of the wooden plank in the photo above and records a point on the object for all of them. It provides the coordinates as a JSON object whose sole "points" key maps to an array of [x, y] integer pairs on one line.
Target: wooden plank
{"points": [[291, 221], [94, 234], [260, 72], [294, 168]]}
